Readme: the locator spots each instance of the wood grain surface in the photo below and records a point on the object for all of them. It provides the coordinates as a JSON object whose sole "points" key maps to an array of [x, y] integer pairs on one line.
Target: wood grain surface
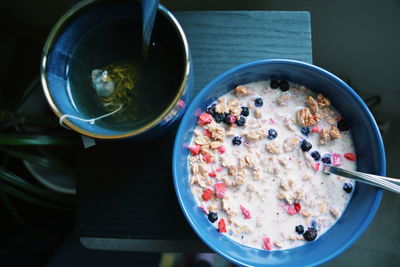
{"points": [[125, 191]]}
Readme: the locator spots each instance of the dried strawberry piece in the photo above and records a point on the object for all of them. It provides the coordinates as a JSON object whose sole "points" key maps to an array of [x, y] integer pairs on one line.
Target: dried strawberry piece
{"points": [[207, 133], [207, 158], [291, 210], [207, 194], [267, 243], [220, 189], [212, 174], [336, 159], [297, 207], [204, 119], [350, 156], [195, 149], [316, 129], [222, 226], [219, 169], [316, 166], [232, 119], [245, 212], [221, 149]]}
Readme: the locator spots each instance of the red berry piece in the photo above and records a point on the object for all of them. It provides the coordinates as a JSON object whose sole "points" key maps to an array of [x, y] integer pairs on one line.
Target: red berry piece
{"points": [[350, 156], [207, 133], [291, 210], [267, 243], [316, 129], [212, 174], [316, 166], [297, 207], [219, 169], [221, 149], [207, 158], [195, 149], [204, 119], [245, 212], [222, 226], [220, 189], [207, 194], [336, 159]]}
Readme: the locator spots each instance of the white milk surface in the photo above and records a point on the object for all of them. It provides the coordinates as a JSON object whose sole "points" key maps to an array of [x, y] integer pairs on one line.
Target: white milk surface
{"points": [[267, 177]]}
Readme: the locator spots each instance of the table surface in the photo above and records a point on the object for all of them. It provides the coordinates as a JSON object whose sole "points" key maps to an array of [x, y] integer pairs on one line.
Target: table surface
{"points": [[126, 199]]}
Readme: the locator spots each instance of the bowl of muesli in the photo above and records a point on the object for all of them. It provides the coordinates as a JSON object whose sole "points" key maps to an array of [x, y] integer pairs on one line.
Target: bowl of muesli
{"points": [[248, 159]]}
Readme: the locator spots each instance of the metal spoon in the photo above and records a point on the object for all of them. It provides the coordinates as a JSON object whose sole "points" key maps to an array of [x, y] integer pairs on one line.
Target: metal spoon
{"points": [[390, 184], [149, 11]]}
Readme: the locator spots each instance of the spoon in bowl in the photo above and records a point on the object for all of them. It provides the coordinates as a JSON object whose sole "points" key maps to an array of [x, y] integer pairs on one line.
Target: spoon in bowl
{"points": [[149, 11], [390, 184]]}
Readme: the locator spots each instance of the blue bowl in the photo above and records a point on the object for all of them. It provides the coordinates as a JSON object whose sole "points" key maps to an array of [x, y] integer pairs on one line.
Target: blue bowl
{"points": [[368, 145], [63, 42]]}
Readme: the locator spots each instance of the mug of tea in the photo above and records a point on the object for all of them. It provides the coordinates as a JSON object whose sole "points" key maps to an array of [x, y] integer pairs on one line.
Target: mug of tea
{"points": [[99, 80]]}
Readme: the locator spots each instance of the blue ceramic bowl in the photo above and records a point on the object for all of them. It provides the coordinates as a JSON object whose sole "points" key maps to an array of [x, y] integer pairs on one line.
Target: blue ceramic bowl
{"points": [[62, 45], [368, 145]]}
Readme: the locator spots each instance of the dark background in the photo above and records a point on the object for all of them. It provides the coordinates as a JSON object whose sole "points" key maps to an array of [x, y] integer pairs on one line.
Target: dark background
{"points": [[357, 40]]}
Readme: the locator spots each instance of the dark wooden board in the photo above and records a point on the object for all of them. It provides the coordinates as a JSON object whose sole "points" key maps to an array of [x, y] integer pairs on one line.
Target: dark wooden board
{"points": [[126, 199]]}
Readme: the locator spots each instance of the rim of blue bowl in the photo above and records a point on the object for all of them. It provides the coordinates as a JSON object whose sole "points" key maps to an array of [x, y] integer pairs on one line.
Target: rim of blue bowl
{"points": [[52, 37], [196, 101]]}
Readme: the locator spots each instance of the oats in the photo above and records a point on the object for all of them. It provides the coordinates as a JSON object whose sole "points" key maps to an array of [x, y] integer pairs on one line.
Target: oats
{"points": [[257, 114], [335, 134], [273, 147], [322, 207], [324, 136], [334, 213], [201, 140], [282, 100], [322, 101], [305, 213], [305, 118], [215, 144], [243, 90], [312, 104]]}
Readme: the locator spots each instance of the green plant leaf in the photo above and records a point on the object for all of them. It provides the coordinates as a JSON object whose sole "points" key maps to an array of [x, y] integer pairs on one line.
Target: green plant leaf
{"points": [[35, 140], [15, 180], [46, 162], [16, 193], [10, 207]]}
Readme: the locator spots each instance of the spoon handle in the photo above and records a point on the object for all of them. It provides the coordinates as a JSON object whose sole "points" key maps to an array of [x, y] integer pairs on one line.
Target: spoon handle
{"points": [[390, 184], [149, 10]]}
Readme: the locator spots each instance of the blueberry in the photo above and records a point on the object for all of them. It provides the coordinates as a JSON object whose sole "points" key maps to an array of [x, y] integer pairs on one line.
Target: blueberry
{"points": [[314, 224], [305, 130], [274, 84], [315, 155], [299, 229], [258, 102], [305, 146], [219, 117], [343, 125], [272, 134], [211, 110], [212, 217], [284, 86], [245, 111], [348, 187], [237, 140], [310, 234], [241, 121], [326, 159]]}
